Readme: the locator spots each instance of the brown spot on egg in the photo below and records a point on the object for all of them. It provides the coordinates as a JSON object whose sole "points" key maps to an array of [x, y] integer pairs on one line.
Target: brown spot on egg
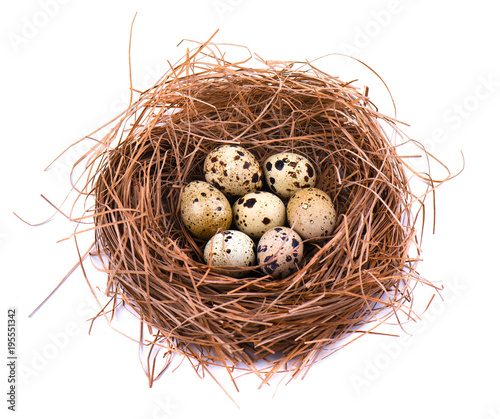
{"points": [[249, 203], [310, 170]]}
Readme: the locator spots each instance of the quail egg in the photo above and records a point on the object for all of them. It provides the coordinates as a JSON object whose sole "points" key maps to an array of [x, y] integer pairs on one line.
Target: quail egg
{"points": [[233, 170], [204, 209], [285, 173], [257, 212], [311, 213], [279, 251], [230, 248]]}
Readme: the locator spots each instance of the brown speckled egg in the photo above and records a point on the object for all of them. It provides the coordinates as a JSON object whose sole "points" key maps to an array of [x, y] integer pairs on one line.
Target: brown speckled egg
{"points": [[257, 212], [230, 248], [204, 209], [279, 251], [311, 213], [286, 173], [233, 170]]}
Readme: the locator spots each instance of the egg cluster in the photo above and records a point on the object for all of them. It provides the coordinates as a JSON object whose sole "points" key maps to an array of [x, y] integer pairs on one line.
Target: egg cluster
{"points": [[268, 227]]}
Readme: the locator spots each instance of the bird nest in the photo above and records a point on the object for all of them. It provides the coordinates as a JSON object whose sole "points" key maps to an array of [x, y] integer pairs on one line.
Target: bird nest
{"points": [[359, 275]]}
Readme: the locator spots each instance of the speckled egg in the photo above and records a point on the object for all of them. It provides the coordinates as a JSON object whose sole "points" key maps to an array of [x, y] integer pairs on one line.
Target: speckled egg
{"points": [[311, 213], [204, 209], [279, 251], [286, 173], [233, 170], [257, 212], [230, 248]]}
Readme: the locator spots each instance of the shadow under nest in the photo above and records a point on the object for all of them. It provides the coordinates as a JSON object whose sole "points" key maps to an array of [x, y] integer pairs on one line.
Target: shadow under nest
{"points": [[360, 274]]}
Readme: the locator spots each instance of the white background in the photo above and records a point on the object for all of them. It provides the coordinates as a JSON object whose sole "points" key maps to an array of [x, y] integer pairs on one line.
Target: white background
{"points": [[64, 71]]}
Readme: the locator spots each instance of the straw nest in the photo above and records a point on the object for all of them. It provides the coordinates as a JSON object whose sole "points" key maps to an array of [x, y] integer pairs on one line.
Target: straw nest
{"points": [[361, 274]]}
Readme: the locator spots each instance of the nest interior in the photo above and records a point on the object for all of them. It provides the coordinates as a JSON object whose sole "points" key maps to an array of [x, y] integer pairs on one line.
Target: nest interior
{"points": [[360, 274]]}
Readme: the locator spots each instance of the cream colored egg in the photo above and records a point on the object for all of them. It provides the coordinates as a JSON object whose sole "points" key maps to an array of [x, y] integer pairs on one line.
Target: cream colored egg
{"points": [[286, 173], [279, 251], [230, 248], [233, 170], [204, 209], [257, 212], [311, 213]]}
